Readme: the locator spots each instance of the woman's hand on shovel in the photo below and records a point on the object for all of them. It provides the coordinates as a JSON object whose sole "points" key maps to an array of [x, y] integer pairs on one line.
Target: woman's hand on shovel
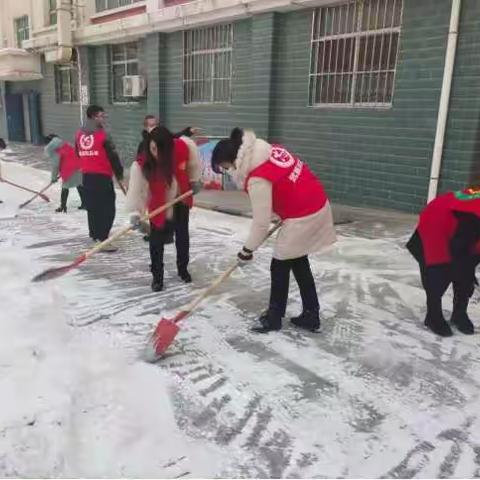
{"points": [[245, 256]]}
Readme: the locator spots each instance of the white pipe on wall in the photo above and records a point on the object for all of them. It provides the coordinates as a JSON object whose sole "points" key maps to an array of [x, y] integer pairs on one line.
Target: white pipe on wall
{"points": [[444, 99]]}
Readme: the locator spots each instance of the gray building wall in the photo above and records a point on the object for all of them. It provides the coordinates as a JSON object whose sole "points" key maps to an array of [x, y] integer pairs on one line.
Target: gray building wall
{"points": [[376, 158], [369, 157]]}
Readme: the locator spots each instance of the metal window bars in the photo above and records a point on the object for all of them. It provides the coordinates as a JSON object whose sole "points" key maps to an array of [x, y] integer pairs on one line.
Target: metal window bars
{"points": [[207, 65], [66, 86], [354, 50], [124, 61], [22, 29]]}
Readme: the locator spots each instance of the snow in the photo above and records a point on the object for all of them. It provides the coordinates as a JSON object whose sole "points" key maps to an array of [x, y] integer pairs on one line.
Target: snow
{"points": [[372, 395]]}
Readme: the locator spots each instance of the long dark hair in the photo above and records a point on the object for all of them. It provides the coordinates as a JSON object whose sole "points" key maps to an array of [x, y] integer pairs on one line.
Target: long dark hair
{"points": [[226, 150], [162, 167]]}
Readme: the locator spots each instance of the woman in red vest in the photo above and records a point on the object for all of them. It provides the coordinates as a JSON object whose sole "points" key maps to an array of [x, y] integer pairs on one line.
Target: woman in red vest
{"points": [[66, 165], [446, 244], [278, 182], [170, 167]]}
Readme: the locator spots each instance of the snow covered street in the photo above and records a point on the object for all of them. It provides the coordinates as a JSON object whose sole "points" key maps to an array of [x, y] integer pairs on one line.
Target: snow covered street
{"points": [[373, 394]]}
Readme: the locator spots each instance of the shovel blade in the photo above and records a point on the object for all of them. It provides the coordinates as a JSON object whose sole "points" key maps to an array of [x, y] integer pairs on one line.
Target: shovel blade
{"points": [[52, 273], [161, 339]]}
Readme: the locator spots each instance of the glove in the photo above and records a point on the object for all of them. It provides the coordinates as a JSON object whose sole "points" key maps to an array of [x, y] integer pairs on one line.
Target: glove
{"points": [[144, 227], [196, 187], [245, 255], [135, 220]]}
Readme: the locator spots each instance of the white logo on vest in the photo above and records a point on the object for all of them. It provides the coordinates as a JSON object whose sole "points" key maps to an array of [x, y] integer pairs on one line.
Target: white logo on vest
{"points": [[281, 158], [86, 142]]}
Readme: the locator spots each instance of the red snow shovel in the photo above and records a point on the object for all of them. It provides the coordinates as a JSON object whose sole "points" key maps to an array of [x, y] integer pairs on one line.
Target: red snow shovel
{"points": [[59, 271], [39, 194], [167, 328]]}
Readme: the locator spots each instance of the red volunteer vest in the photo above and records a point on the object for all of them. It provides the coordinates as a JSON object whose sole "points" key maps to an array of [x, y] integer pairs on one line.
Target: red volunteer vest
{"points": [[182, 155], [157, 195], [437, 224], [69, 162], [92, 153], [297, 192]]}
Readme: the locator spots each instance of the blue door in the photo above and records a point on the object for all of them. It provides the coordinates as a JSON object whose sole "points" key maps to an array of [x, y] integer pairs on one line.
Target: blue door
{"points": [[15, 120], [34, 114]]}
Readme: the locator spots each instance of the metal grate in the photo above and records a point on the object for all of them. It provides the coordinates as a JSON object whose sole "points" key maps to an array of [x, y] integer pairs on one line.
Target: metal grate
{"points": [[124, 61], [67, 81], [22, 29], [207, 65], [354, 53]]}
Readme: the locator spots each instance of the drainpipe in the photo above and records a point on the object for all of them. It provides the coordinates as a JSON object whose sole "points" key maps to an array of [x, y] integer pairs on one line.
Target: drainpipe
{"points": [[444, 99], [80, 84]]}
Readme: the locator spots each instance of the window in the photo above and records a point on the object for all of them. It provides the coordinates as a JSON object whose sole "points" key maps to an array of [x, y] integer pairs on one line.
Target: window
{"points": [[52, 12], [109, 4], [354, 53], [207, 65], [124, 59], [22, 30], [66, 81]]}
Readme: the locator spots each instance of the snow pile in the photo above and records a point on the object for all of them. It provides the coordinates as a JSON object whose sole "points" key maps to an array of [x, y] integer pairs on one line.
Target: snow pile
{"points": [[74, 406]]}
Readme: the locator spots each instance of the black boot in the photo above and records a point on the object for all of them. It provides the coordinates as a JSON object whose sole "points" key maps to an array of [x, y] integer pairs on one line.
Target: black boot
{"points": [[460, 317], [63, 201], [157, 285], [307, 320], [437, 324], [270, 321], [184, 274], [157, 282]]}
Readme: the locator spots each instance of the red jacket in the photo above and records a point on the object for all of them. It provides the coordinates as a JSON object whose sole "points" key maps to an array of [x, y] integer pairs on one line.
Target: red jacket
{"points": [[297, 192], [91, 150], [437, 224], [69, 162], [182, 155]]}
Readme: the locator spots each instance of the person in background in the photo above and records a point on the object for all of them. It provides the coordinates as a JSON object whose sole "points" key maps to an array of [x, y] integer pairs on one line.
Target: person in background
{"points": [[278, 182], [446, 245], [169, 168], [100, 162], [66, 164], [3, 146]]}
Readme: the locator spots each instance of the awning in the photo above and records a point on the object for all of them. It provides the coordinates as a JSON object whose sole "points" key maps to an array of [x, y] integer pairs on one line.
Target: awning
{"points": [[17, 64]]}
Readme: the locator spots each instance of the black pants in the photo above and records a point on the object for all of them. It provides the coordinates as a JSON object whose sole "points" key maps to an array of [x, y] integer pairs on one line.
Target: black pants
{"points": [[99, 196], [280, 278], [157, 239], [437, 278], [181, 217], [64, 196]]}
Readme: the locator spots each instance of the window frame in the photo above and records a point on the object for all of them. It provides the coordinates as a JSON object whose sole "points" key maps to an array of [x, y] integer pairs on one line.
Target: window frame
{"points": [[123, 100], [22, 29], [73, 78], [105, 3], [205, 52], [357, 35], [52, 13]]}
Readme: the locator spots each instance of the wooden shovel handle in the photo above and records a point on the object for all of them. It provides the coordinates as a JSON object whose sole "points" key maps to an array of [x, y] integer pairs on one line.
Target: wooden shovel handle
{"points": [[191, 306]]}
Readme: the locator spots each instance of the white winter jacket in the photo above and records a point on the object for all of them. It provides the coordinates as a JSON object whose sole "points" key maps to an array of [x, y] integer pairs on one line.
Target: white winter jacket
{"points": [[138, 190], [297, 236]]}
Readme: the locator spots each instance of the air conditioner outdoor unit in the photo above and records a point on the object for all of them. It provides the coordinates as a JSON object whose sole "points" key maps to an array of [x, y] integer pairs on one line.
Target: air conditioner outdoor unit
{"points": [[133, 86]]}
